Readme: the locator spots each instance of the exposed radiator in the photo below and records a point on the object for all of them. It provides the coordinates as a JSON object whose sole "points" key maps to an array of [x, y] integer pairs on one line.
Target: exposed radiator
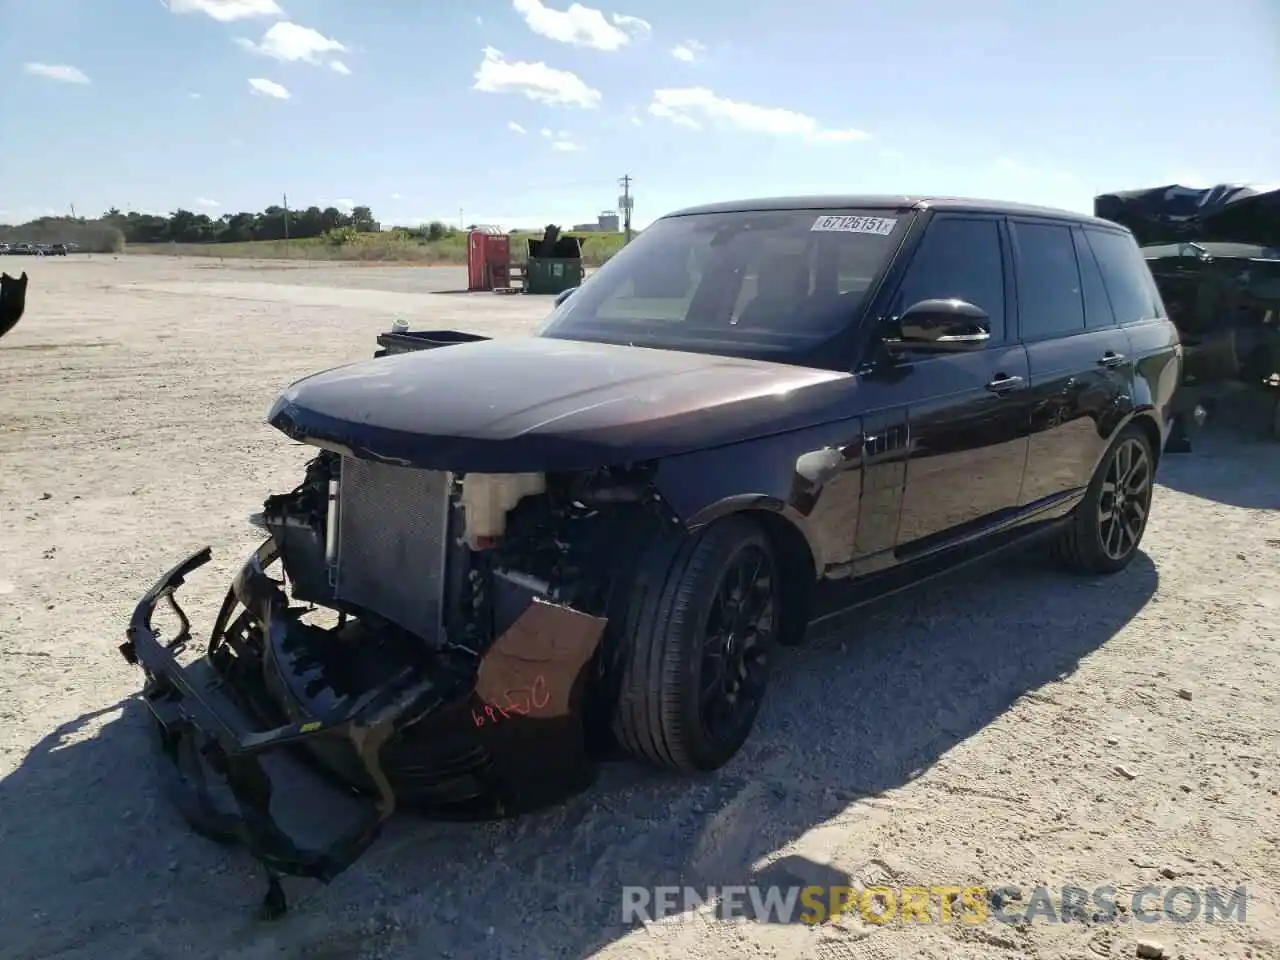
{"points": [[392, 537]]}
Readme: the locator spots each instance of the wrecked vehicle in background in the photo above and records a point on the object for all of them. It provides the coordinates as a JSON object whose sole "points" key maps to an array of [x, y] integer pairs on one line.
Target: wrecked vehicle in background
{"points": [[512, 557], [1215, 255]]}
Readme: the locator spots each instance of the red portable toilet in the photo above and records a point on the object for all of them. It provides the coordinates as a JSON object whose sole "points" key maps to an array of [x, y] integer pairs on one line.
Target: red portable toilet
{"points": [[488, 259]]}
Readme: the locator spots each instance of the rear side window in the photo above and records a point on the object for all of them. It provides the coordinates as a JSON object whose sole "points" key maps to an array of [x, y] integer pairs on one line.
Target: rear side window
{"points": [[1050, 301], [958, 259], [1130, 287], [1097, 307]]}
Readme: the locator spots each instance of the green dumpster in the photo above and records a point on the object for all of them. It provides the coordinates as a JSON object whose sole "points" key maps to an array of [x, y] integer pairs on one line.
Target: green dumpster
{"points": [[553, 275], [554, 264]]}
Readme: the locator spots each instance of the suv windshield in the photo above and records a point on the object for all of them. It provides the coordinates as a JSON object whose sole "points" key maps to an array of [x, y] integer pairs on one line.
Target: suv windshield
{"points": [[752, 284]]}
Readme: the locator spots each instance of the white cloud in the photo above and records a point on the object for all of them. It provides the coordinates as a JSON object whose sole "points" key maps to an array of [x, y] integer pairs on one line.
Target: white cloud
{"points": [[206, 202], [194, 96], [479, 21], [537, 81], [345, 204], [639, 29], [565, 146], [397, 196], [515, 127], [696, 107], [581, 26], [546, 132], [60, 72], [269, 88], [226, 11], [337, 66], [689, 51], [291, 43], [840, 136]]}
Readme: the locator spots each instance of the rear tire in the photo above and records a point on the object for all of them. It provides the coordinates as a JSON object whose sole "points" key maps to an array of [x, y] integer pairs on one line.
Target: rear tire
{"points": [[1104, 532], [699, 636]]}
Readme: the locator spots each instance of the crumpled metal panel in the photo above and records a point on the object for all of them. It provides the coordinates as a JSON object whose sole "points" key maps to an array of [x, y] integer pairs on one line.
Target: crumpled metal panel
{"points": [[393, 527], [1229, 212]]}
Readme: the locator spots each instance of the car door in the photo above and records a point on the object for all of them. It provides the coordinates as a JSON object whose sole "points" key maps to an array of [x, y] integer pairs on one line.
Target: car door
{"points": [[964, 438], [1081, 372]]}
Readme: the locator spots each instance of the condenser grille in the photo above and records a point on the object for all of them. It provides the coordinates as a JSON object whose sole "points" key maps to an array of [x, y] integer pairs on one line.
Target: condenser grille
{"points": [[392, 536]]}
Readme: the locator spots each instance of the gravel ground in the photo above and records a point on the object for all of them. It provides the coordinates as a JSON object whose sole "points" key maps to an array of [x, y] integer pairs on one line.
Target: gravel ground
{"points": [[1008, 726]]}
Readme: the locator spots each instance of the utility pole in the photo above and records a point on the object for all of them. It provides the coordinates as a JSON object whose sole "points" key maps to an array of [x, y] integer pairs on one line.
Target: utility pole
{"points": [[285, 197], [625, 202]]}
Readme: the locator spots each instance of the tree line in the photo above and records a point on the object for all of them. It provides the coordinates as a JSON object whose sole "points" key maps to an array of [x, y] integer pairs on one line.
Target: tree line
{"points": [[110, 232], [273, 223]]}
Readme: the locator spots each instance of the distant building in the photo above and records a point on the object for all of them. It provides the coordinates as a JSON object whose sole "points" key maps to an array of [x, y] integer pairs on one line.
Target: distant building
{"points": [[607, 222]]}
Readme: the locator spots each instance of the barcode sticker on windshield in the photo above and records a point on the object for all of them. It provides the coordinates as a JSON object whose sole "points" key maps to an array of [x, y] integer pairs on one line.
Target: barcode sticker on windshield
{"points": [[880, 226]]}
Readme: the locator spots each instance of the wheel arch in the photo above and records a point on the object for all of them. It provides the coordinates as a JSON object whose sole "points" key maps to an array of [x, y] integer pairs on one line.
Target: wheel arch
{"points": [[792, 548], [1145, 419]]}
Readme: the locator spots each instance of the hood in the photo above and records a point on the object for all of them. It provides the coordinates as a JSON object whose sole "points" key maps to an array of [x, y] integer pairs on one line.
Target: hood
{"points": [[535, 404]]}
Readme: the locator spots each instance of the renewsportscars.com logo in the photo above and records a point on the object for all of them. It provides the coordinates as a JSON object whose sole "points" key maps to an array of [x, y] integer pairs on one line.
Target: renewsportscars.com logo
{"points": [[944, 903]]}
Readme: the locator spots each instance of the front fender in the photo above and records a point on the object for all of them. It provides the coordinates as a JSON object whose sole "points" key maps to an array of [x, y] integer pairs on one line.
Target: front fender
{"points": [[810, 477]]}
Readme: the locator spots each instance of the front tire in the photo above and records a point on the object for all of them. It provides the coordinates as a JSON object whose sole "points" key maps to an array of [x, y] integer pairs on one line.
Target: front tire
{"points": [[1105, 531], [700, 634]]}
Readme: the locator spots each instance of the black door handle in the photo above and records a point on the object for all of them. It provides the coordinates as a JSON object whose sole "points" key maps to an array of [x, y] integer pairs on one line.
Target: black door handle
{"points": [[1112, 359], [1002, 384]]}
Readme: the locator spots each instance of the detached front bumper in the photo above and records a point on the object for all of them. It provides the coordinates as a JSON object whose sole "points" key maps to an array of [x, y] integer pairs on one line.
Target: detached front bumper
{"points": [[221, 774], [237, 776]]}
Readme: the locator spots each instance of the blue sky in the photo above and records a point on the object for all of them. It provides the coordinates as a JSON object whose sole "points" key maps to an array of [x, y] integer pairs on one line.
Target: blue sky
{"points": [[523, 112]]}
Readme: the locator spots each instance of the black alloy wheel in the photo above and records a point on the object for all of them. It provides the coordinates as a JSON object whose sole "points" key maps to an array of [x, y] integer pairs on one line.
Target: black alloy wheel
{"points": [[1103, 534], [1125, 499], [698, 637], [740, 629]]}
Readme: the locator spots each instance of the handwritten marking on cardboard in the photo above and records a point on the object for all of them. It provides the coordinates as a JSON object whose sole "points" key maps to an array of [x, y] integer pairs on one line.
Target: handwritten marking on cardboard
{"points": [[879, 226], [520, 702]]}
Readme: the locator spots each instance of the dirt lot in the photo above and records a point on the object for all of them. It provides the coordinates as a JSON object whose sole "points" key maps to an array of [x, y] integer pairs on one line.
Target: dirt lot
{"points": [[972, 733]]}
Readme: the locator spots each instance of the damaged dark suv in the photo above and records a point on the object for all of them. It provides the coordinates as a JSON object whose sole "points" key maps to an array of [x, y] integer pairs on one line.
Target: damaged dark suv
{"points": [[511, 557]]}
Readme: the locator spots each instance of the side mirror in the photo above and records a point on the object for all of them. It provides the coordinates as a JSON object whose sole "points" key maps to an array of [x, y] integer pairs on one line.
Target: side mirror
{"points": [[942, 326], [564, 295]]}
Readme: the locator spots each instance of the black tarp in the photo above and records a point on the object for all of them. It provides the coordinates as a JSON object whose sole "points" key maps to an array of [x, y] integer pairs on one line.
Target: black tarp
{"points": [[1226, 212]]}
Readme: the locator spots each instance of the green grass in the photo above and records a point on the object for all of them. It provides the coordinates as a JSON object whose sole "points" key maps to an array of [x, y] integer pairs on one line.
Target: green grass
{"points": [[386, 247]]}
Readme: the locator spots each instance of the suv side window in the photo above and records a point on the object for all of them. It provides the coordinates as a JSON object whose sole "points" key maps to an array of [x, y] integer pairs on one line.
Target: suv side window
{"points": [[958, 258], [1050, 301], [1126, 275], [1097, 306]]}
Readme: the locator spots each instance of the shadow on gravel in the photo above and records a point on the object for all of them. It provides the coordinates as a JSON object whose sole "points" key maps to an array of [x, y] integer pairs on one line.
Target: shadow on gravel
{"points": [[95, 863], [1229, 466]]}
